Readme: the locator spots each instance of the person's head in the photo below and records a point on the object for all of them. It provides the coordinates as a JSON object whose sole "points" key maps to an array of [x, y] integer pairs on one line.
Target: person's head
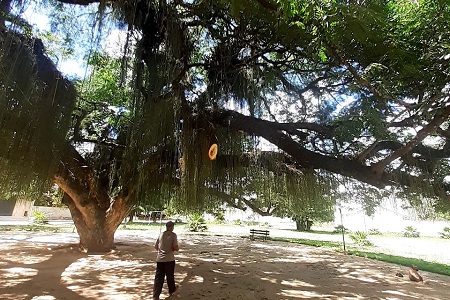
{"points": [[170, 225]]}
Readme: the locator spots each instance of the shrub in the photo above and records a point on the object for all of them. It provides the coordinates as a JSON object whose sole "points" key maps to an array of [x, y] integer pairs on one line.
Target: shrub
{"points": [[339, 228], [360, 238], [196, 223], [219, 216], [374, 231], [410, 232], [251, 223], [39, 217], [237, 222], [445, 234]]}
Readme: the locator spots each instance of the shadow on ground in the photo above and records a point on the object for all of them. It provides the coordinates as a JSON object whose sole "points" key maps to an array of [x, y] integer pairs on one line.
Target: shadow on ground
{"points": [[208, 267]]}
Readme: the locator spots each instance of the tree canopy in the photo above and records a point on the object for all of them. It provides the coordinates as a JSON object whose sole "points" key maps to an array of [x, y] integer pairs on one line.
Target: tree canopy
{"points": [[340, 89]]}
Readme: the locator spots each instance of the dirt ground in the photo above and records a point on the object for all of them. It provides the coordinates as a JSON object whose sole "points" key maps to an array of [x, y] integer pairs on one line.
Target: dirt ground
{"points": [[49, 266]]}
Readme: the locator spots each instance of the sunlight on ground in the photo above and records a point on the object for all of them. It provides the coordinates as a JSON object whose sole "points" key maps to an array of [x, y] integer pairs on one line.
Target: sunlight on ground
{"points": [[196, 279], [271, 280], [15, 296], [106, 276], [224, 272], [25, 258], [208, 259], [400, 294], [284, 260], [303, 294], [13, 276], [297, 283], [243, 270]]}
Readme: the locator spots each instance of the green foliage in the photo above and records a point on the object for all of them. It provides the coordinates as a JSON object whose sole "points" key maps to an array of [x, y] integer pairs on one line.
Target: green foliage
{"points": [[219, 216], [34, 114], [445, 234], [250, 223], [51, 198], [360, 238], [365, 195], [339, 229], [315, 243], [151, 114], [411, 232], [237, 222], [196, 223], [39, 217], [308, 200], [423, 265], [374, 231], [103, 105]]}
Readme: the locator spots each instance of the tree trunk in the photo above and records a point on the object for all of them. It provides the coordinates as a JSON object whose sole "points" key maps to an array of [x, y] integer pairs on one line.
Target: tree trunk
{"points": [[95, 213], [94, 236], [95, 226], [303, 224], [5, 7], [99, 238]]}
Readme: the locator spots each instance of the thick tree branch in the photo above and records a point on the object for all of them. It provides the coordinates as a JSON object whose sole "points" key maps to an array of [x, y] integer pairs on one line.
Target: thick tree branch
{"points": [[304, 157], [421, 135], [268, 5], [231, 200], [78, 180], [361, 81], [425, 152], [81, 2]]}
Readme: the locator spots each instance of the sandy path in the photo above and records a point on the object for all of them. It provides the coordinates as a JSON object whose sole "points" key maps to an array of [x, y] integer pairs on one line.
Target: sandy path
{"points": [[46, 266]]}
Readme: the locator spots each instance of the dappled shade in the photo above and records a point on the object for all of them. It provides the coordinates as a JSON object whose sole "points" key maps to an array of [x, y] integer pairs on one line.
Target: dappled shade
{"points": [[207, 268]]}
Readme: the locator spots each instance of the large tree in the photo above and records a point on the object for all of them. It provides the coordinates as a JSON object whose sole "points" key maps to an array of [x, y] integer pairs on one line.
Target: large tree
{"points": [[340, 89]]}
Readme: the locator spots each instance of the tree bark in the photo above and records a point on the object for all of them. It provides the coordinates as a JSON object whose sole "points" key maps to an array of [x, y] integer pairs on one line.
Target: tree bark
{"points": [[95, 226], [303, 224], [440, 117], [304, 157], [91, 226], [5, 7], [96, 215]]}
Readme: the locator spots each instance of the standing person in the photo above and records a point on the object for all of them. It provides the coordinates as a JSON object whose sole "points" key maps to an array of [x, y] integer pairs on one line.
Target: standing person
{"points": [[165, 245]]}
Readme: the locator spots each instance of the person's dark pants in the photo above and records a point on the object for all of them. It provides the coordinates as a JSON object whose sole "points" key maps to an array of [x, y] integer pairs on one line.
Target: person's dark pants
{"points": [[164, 269]]}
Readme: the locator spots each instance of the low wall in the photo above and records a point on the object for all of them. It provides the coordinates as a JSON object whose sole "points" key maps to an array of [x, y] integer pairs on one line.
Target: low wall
{"points": [[15, 208], [22, 209], [54, 213]]}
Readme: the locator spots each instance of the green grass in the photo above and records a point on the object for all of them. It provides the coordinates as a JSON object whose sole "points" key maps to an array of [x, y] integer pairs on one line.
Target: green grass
{"points": [[423, 265], [140, 225], [324, 232], [315, 243], [146, 225], [69, 227], [40, 227]]}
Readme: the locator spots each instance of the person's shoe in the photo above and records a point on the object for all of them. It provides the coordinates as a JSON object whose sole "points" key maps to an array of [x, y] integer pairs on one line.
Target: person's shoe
{"points": [[176, 289]]}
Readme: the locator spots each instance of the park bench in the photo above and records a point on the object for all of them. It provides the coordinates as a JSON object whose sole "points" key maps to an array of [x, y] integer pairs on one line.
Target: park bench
{"points": [[264, 234]]}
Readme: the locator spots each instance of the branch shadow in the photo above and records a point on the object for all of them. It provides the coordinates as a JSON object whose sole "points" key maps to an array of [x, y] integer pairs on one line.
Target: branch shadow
{"points": [[214, 267], [29, 271]]}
